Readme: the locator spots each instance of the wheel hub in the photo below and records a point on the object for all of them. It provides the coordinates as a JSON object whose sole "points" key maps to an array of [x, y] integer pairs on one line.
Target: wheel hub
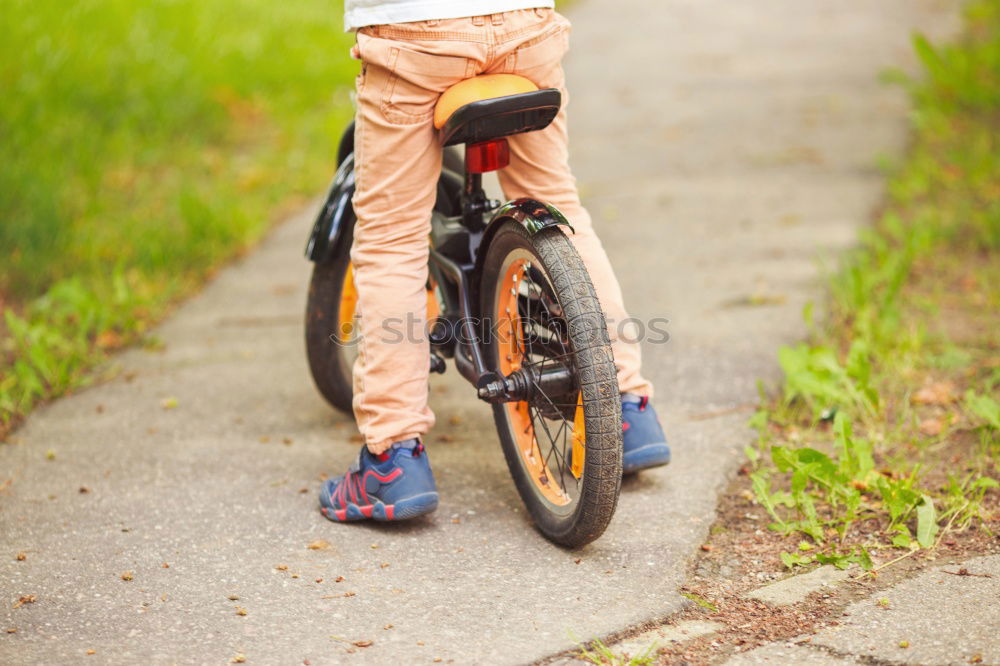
{"points": [[528, 383]]}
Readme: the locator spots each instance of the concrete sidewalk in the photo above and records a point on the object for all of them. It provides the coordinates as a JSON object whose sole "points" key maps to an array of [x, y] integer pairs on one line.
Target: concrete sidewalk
{"points": [[722, 147], [945, 614], [942, 616]]}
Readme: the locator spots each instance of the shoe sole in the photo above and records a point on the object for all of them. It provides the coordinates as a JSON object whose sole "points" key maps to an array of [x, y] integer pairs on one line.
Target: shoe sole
{"points": [[646, 457], [411, 507]]}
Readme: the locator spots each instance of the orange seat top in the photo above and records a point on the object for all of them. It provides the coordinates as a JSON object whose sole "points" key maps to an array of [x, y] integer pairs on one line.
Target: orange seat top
{"points": [[484, 86]]}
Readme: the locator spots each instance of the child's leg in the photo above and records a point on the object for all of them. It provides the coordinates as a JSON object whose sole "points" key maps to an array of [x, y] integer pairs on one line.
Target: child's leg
{"points": [[539, 168], [398, 157]]}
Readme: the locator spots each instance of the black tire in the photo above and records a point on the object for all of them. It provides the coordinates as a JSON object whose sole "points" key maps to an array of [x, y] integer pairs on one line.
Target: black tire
{"points": [[330, 362], [553, 270]]}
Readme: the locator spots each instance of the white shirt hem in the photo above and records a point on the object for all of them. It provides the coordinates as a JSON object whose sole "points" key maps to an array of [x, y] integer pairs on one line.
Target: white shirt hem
{"points": [[424, 10]]}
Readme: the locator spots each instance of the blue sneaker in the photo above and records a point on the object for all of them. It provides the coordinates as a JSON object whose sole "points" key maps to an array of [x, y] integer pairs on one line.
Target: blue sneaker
{"points": [[394, 485], [645, 443]]}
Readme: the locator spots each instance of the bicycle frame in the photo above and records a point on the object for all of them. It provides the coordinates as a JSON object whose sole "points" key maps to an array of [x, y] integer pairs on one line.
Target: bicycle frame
{"points": [[458, 245]]}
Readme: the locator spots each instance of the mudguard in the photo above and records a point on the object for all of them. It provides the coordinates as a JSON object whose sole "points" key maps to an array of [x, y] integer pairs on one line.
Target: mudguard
{"points": [[532, 214], [327, 229], [336, 213]]}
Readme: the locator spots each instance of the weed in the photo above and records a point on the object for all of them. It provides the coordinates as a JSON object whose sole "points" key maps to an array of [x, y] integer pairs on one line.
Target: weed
{"points": [[602, 655], [845, 457], [701, 601], [984, 409]]}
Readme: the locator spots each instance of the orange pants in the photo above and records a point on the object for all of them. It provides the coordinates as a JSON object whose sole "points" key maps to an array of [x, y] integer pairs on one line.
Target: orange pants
{"points": [[405, 68]]}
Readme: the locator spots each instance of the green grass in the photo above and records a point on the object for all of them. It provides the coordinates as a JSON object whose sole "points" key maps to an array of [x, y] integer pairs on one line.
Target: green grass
{"points": [[144, 143], [601, 655], [701, 601], [886, 433]]}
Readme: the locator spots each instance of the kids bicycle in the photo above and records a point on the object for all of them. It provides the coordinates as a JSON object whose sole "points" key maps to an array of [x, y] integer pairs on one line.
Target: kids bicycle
{"points": [[509, 301]]}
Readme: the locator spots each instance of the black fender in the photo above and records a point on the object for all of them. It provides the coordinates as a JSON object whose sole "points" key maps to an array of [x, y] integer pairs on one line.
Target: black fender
{"points": [[337, 211], [346, 143], [336, 214], [531, 213]]}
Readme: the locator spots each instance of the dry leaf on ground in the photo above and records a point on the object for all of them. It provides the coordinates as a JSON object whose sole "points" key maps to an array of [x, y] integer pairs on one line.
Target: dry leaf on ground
{"points": [[931, 427], [938, 393], [109, 340], [338, 596]]}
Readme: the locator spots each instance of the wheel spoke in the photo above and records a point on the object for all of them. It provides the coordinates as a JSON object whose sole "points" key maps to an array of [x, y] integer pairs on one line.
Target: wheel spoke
{"points": [[561, 461], [531, 323]]}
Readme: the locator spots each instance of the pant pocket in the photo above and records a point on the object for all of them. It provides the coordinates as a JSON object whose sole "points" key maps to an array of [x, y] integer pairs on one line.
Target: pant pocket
{"points": [[540, 60], [414, 82]]}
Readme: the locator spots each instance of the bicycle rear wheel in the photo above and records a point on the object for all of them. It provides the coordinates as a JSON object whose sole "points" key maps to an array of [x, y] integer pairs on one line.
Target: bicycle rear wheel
{"points": [[331, 333], [331, 329], [563, 441]]}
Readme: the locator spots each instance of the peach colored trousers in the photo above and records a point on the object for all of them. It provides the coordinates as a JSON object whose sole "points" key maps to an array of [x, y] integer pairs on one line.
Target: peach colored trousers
{"points": [[405, 68]]}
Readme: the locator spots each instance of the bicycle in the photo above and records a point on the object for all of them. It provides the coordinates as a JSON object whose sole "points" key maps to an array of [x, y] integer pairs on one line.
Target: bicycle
{"points": [[511, 303]]}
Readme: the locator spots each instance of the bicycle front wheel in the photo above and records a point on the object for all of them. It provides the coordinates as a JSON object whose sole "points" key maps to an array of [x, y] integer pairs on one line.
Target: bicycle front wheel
{"points": [[563, 441]]}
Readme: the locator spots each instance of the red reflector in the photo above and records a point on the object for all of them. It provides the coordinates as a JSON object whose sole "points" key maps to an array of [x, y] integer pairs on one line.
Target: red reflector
{"points": [[487, 156]]}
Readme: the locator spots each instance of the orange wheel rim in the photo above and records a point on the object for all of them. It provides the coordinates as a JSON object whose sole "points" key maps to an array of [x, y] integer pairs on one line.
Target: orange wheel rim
{"points": [[348, 305], [433, 307], [511, 349], [579, 439]]}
